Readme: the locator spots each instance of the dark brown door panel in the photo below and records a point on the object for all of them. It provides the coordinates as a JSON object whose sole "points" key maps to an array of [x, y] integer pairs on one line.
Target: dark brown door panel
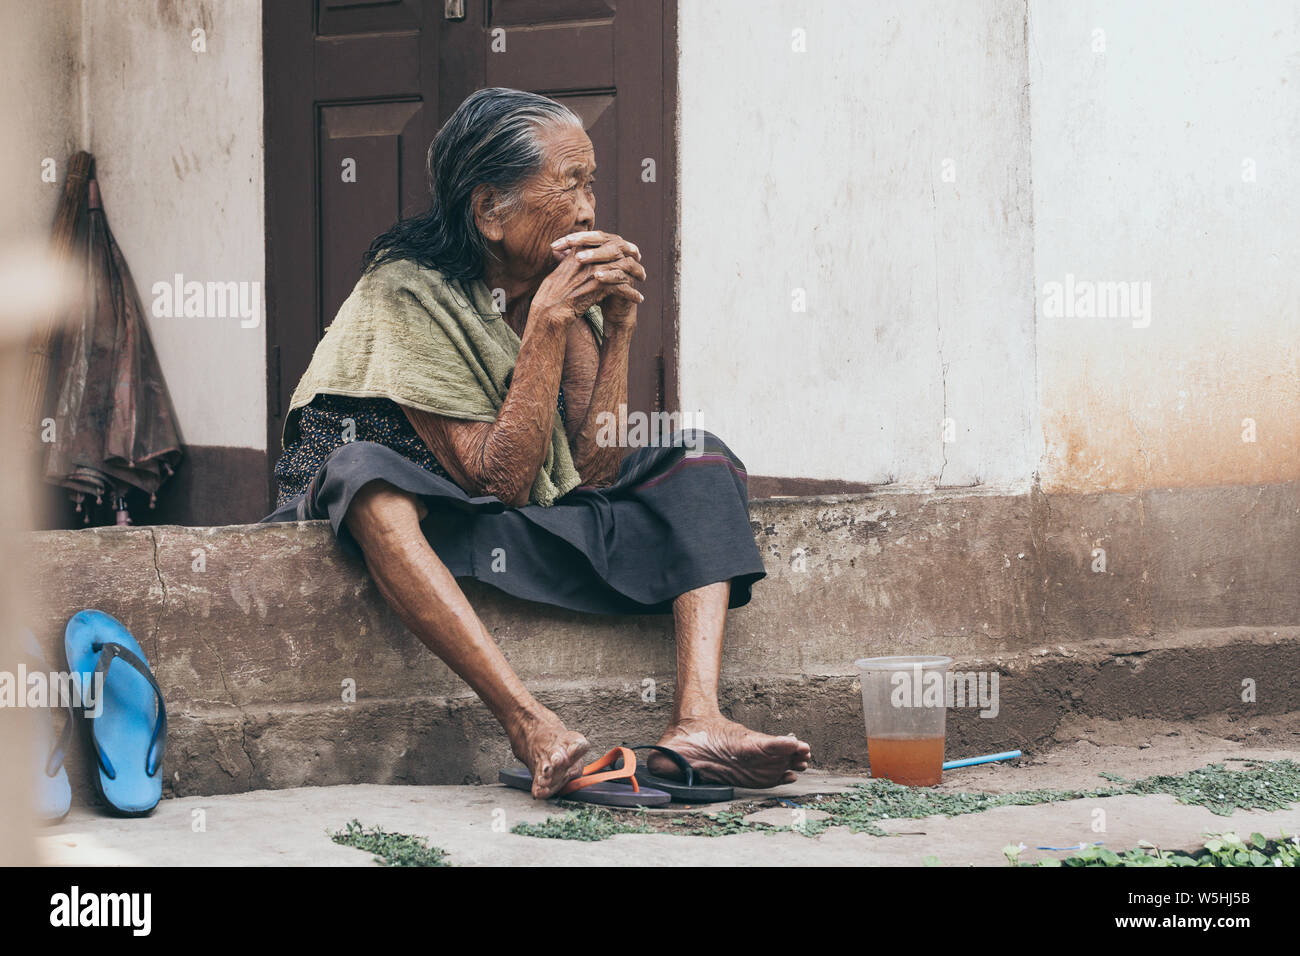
{"points": [[372, 163]]}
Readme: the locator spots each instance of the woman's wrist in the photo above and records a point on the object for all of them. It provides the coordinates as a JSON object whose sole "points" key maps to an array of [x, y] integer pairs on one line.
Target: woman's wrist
{"points": [[551, 316], [621, 330]]}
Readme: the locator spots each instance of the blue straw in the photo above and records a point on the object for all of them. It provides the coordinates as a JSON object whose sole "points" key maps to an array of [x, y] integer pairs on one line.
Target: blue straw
{"points": [[987, 758], [1080, 846]]}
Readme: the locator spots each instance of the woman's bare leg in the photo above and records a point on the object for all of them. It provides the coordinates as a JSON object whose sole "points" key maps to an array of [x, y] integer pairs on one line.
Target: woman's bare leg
{"points": [[386, 524], [721, 749]]}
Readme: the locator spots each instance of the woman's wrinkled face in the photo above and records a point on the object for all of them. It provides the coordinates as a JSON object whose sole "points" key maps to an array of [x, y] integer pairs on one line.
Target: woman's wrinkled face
{"points": [[559, 199]]}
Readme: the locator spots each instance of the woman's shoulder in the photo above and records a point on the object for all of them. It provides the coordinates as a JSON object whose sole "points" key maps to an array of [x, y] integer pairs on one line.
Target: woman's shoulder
{"points": [[395, 275], [406, 289], [397, 293]]}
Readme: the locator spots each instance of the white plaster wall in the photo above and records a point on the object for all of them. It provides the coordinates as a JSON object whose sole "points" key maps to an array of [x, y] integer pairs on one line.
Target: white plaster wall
{"points": [[40, 103], [177, 137], [823, 170], [1138, 153]]}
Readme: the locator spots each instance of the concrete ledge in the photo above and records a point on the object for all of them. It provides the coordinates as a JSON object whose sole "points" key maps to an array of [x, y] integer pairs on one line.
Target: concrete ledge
{"points": [[255, 631]]}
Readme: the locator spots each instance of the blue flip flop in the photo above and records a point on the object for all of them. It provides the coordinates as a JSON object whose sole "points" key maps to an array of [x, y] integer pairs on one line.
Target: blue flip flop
{"points": [[127, 731], [53, 796]]}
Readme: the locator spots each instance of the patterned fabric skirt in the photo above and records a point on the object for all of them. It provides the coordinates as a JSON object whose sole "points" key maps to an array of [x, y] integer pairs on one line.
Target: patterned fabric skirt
{"points": [[328, 418], [675, 519]]}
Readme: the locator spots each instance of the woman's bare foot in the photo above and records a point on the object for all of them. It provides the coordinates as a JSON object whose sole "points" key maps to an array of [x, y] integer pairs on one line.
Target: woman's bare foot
{"points": [[550, 751], [723, 751]]}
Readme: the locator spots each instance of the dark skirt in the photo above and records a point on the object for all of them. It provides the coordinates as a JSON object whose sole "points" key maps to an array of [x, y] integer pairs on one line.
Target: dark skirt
{"points": [[675, 519]]}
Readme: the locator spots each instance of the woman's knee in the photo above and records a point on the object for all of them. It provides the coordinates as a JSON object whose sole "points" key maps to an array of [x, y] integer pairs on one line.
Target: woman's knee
{"points": [[381, 508], [697, 441]]}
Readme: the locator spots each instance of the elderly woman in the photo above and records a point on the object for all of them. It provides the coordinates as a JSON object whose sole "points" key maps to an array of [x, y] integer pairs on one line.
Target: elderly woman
{"points": [[450, 425]]}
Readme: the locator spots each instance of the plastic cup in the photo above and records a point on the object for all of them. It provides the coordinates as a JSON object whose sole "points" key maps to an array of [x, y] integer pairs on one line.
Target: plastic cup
{"points": [[904, 706]]}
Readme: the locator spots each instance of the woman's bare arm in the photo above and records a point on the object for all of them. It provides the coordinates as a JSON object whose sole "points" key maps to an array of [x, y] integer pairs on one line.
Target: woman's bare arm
{"points": [[598, 464], [502, 457], [581, 363], [616, 258], [478, 455]]}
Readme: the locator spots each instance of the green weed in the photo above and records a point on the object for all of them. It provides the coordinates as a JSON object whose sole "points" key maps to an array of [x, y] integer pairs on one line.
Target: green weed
{"points": [[390, 849]]}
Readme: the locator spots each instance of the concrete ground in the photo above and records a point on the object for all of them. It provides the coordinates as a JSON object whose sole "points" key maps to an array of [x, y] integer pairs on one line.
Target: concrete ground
{"points": [[290, 827]]}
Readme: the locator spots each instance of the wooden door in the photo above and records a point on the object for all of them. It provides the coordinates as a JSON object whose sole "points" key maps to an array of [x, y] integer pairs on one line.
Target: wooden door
{"points": [[356, 89]]}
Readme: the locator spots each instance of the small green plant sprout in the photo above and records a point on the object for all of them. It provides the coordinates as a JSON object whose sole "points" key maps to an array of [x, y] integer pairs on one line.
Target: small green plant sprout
{"points": [[390, 849]]}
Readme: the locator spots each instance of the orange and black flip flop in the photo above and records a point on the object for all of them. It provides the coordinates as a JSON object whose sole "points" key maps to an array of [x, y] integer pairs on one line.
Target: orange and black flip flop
{"points": [[607, 788], [687, 790]]}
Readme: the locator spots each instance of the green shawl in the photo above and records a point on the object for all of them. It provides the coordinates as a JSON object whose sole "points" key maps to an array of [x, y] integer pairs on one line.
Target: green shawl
{"points": [[441, 345]]}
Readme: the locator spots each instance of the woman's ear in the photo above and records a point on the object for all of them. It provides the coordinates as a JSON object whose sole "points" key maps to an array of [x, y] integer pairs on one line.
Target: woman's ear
{"points": [[484, 199]]}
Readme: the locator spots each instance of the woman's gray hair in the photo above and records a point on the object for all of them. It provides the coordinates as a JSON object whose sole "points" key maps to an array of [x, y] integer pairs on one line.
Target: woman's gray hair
{"points": [[493, 139]]}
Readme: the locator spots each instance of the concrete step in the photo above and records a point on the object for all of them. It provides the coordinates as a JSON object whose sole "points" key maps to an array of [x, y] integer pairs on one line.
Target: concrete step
{"points": [[283, 666], [453, 739]]}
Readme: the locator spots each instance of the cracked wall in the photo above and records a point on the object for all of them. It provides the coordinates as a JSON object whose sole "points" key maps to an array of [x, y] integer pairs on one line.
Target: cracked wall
{"points": [[40, 101], [924, 172], [883, 174], [1165, 151], [177, 138]]}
